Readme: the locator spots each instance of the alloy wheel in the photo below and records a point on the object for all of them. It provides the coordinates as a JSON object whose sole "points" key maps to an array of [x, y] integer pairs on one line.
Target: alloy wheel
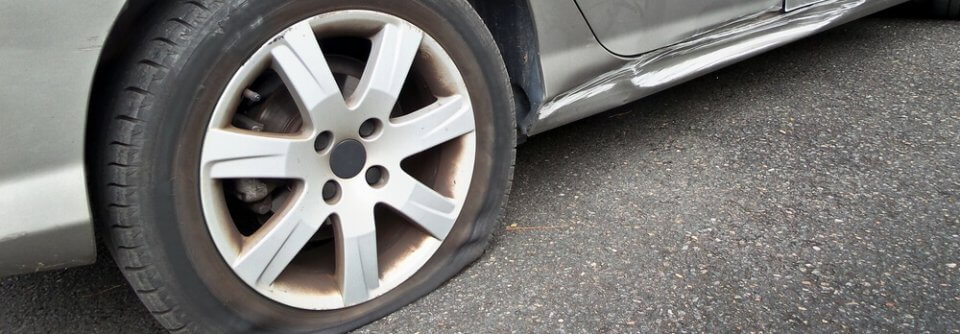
{"points": [[337, 159]]}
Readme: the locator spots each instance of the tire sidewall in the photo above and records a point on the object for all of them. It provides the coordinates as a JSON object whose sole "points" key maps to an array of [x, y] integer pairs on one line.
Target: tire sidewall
{"points": [[174, 225]]}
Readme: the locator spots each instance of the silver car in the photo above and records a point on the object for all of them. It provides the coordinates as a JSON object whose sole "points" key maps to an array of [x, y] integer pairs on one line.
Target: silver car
{"points": [[313, 165]]}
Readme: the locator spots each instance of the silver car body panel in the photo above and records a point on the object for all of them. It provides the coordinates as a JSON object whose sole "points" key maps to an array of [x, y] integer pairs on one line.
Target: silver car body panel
{"points": [[49, 51], [652, 72], [632, 27], [569, 53]]}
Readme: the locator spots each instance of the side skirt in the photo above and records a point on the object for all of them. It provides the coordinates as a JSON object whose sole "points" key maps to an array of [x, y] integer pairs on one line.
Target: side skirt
{"points": [[673, 65]]}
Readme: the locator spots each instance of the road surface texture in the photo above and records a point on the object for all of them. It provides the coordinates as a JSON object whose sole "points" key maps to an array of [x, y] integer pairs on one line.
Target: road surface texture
{"points": [[812, 189]]}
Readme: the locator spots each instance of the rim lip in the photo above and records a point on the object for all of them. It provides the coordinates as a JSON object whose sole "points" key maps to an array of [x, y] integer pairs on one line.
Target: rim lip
{"points": [[217, 218]]}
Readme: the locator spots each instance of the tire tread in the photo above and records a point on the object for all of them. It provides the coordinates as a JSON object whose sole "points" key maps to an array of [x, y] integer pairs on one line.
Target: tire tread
{"points": [[122, 160]]}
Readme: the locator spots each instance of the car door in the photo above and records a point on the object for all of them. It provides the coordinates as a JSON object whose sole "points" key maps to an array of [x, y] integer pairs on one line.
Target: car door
{"points": [[631, 27]]}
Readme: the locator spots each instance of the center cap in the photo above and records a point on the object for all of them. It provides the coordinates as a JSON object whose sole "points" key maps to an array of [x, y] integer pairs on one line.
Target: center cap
{"points": [[348, 159]]}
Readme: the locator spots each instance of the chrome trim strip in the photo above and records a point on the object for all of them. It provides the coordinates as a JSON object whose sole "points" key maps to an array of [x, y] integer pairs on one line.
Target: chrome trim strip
{"points": [[670, 66], [792, 5]]}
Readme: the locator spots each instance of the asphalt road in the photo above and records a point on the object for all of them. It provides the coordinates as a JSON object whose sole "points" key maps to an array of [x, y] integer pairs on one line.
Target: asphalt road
{"points": [[812, 189]]}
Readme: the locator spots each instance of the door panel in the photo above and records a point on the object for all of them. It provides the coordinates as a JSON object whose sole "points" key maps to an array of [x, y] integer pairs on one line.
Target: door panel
{"points": [[631, 27]]}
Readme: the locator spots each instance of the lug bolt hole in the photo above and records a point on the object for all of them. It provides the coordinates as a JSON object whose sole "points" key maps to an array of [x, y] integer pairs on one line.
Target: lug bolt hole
{"points": [[331, 192], [377, 176], [370, 128], [323, 142]]}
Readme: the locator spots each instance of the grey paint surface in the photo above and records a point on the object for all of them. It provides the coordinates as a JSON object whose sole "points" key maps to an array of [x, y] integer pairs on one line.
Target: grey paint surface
{"points": [[861, 127], [48, 54], [632, 27], [667, 67], [569, 53]]}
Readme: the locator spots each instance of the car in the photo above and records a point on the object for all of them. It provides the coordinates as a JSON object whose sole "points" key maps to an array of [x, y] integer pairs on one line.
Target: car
{"points": [[314, 165]]}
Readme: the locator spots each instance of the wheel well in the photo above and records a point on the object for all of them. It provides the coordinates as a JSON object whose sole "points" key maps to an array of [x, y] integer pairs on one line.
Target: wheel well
{"points": [[512, 25]]}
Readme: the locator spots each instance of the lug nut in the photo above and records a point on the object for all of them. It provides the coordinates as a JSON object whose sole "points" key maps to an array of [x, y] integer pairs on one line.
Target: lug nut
{"points": [[323, 141], [330, 191], [376, 176], [369, 127]]}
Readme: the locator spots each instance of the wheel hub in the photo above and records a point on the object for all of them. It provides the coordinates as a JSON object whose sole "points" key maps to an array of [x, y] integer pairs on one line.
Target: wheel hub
{"points": [[348, 159]]}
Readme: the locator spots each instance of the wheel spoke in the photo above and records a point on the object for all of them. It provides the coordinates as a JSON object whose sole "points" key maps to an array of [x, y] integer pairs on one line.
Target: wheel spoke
{"points": [[438, 123], [357, 267], [277, 243], [425, 207], [394, 49], [234, 154], [302, 66]]}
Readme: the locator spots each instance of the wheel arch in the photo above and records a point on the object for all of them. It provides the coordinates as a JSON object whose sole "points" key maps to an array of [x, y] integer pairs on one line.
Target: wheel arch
{"points": [[512, 24]]}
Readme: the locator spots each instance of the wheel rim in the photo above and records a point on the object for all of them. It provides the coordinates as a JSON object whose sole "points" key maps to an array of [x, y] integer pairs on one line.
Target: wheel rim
{"points": [[346, 196]]}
